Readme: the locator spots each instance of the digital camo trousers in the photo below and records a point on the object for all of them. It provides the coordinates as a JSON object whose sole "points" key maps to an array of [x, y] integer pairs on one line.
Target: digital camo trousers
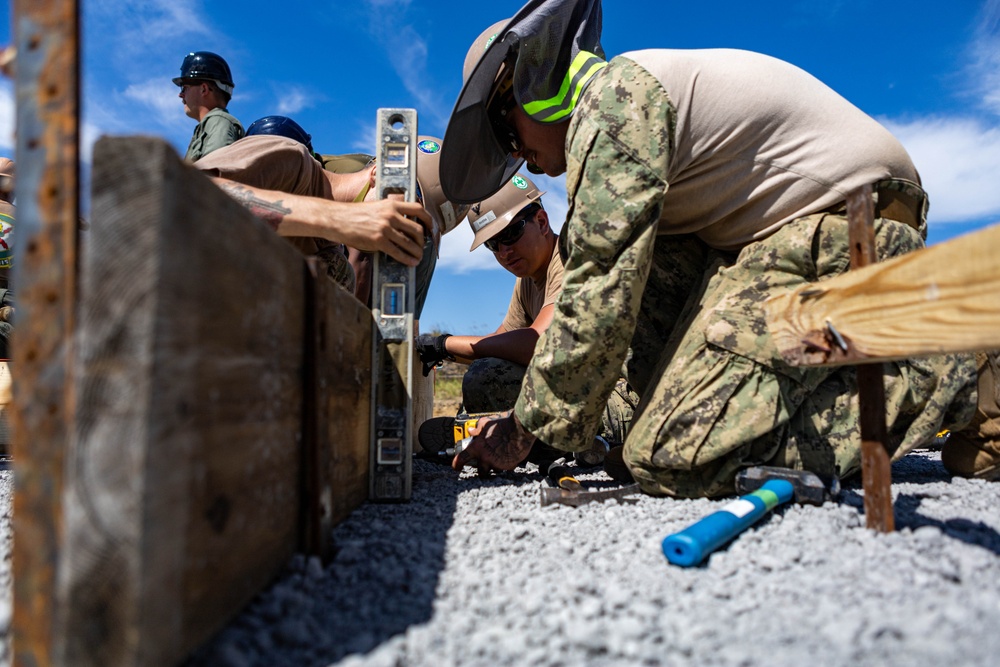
{"points": [[338, 268], [492, 385], [719, 397]]}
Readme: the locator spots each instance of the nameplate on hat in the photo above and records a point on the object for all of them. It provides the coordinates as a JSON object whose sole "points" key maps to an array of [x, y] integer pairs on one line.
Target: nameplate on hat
{"points": [[483, 221]]}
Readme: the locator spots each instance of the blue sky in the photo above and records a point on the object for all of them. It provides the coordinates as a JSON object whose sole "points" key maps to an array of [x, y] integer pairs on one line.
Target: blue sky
{"points": [[929, 70]]}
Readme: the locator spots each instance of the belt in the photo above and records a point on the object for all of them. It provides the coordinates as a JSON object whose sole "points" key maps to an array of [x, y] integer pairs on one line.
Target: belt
{"points": [[896, 199]]}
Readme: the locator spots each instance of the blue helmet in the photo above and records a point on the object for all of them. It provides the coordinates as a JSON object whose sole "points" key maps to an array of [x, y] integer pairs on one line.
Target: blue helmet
{"points": [[282, 126], [206, 66]]}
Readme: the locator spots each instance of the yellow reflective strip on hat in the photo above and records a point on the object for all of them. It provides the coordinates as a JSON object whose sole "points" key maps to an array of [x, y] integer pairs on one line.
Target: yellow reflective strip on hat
{"points": [[584, 59]]}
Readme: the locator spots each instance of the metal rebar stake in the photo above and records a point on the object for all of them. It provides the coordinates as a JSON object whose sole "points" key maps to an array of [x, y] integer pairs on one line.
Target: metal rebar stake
{"points": [[876, 467]]}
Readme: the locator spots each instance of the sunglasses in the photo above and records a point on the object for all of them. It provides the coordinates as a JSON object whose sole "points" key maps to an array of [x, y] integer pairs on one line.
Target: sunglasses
{"points": [[506, 135], [513, 232]]}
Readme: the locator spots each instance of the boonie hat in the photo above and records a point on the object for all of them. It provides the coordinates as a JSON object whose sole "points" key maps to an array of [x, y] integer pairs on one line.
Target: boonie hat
{"points": [[550, 50]]}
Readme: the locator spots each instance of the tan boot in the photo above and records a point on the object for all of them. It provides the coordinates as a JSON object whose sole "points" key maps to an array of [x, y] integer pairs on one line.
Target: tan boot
{"points": [[975, 450]]}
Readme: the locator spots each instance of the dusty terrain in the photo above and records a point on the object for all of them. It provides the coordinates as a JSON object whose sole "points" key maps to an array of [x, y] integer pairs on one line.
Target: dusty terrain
{"points": [[477, 572]]}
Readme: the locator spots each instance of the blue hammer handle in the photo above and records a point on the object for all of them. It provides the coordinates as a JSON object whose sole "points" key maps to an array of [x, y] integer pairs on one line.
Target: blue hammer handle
{"points": [[693, 544]]}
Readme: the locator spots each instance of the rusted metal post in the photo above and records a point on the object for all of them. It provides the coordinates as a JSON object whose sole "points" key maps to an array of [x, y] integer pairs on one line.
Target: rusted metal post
{"points": [[45, 271], [876, 468]]}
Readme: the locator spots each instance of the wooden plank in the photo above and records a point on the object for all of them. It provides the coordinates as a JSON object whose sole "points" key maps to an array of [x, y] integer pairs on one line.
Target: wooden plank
{"points": [[183, 497], [876, 468], [945, 298], [47, 38], [346, 380]]}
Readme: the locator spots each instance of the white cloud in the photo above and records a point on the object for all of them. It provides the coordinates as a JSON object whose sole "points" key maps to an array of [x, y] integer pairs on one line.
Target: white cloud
{"points": [[406, 49], [294, 99], [554, 198], [958, 160], [134, 27], [455, 256], [959, 156], [161, 98], [984, 55]]}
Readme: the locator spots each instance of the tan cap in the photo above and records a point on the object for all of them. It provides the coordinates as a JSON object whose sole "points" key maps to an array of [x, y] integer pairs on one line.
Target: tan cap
{"points": [[552, 51], [489, 217], [346, 164], [6, 166], [445, 214], [479, 47]]}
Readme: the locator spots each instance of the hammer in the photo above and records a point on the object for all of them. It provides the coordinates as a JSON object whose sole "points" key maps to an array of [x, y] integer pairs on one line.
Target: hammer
{"points": [[763, 489], [560, 486]]}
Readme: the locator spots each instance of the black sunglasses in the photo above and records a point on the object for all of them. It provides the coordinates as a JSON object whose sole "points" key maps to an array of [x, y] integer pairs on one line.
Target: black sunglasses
{"points": [[509, 236], [513, 232]]}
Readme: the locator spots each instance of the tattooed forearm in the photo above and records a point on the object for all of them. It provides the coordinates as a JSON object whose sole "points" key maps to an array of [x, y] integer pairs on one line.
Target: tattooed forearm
{"points": [[271, 212]]}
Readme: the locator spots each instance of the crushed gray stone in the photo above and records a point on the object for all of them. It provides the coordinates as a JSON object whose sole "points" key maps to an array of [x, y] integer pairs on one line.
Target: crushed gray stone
{"points": [[476, 572]]}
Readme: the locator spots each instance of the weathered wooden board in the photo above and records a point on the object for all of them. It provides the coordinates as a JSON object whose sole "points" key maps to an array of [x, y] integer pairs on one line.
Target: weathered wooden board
{"points": [[342, 348], [47, 37], [184, 492], [945, 298]]}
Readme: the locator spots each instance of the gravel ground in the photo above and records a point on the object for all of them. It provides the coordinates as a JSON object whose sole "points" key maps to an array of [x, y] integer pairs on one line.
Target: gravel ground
{"points": [[476, 572]]}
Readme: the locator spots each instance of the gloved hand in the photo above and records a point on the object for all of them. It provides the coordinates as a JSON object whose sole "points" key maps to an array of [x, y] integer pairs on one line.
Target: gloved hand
{"points": [[432, 351]]}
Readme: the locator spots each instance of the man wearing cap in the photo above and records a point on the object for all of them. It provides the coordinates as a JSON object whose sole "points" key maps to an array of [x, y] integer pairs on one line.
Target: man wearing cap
{"points": [[206, 87], [700, 182], [445, 216], [514, 226]]}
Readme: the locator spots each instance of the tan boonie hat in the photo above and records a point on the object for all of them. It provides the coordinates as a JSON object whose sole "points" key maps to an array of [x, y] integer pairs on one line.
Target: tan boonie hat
{"points": [[547, 54], [479, 47], [445, 214], [346, 164], [491, 216]]}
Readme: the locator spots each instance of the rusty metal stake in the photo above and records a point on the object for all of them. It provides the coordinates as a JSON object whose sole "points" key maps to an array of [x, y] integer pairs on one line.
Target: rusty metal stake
{"points": [[45, 273], [876, 468]]}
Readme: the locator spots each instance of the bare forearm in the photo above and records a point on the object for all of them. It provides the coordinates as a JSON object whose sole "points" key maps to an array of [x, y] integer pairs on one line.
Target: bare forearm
{"points": [[393, 227], [516, 346], [287, 214], [271, 207]]}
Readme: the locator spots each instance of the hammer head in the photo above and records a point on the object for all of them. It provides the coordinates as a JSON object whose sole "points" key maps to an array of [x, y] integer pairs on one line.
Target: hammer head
{"points": [[808, 486]]}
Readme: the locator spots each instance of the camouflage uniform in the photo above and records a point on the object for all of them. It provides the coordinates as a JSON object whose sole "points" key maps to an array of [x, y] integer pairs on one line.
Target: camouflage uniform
{"points": [[338, 269], [492, 385], [716, 396]]}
